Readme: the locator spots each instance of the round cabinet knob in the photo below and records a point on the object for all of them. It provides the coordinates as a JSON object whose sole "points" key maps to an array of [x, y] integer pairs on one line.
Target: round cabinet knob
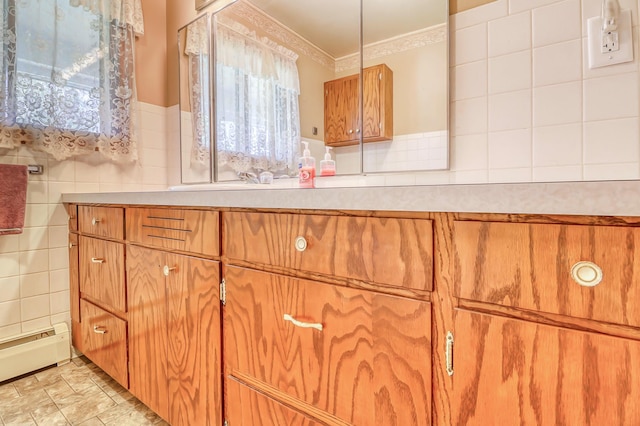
{"points": [[587, 274], [95, 221], [301, 244], [350, 131], [167, 270]]}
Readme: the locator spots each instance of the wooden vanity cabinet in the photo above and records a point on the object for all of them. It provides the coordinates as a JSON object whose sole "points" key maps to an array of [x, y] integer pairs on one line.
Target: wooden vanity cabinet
{"points": [[546, 329], [342, 122], [334, 346], [174, 317], [98, 305]]}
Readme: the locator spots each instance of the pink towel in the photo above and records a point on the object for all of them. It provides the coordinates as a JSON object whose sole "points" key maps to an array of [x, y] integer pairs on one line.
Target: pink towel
{"points": [[13, 198]]}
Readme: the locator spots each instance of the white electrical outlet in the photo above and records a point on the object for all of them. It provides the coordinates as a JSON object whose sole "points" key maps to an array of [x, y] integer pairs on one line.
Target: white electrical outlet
{"points": [[610, 48]]}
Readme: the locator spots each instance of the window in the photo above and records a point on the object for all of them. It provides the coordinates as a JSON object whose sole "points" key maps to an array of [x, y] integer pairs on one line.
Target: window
{"points": [[67, 80], [257, 109]]}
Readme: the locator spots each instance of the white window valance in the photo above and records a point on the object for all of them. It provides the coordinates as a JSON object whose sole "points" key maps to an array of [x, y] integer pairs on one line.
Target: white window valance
{"points": [[127, 11]]}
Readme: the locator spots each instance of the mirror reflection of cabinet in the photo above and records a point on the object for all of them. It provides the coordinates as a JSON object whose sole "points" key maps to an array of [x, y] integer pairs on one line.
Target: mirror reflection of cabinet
{"points": [[342, 123]]}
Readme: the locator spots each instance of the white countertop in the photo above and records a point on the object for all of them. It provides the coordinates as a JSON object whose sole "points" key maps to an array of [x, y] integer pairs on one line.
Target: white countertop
{"points": [[608, 198]]}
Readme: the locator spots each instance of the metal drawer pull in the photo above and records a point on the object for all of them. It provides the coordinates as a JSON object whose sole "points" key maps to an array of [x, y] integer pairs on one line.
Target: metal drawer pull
{"points": [[587, 274], [448, 354], [301, 244], [95, 221], [99, 329], [166, 270], [97, 260], [301, 324]]}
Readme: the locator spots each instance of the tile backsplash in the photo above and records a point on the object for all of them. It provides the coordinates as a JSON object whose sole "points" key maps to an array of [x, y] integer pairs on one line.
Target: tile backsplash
{"points": [[34, 273], [526, 107]]}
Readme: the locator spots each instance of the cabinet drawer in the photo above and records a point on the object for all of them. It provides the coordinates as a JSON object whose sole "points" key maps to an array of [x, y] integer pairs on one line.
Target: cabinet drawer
{"points": [[105, 222], [104, 341], [509, 372], [388, 251], [194, 231], [369, 364], [102, 272], [246, 407], [529, 266]]}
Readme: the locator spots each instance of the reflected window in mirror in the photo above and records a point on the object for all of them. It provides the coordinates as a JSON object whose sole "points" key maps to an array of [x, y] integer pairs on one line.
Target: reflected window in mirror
{"points": [[256, 99], [195, 105]]}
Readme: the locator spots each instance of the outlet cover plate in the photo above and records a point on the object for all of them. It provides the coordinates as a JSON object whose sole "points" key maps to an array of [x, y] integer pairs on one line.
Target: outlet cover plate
{"points": [[598, 59]]}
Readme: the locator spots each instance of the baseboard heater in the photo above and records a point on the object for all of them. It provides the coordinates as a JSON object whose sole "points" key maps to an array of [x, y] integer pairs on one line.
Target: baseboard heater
{"points": [[35, 350]]}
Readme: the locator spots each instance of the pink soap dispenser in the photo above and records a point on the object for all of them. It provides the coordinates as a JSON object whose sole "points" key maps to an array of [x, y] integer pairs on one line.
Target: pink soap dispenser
{"points": [[327, 166], [306, 168]]}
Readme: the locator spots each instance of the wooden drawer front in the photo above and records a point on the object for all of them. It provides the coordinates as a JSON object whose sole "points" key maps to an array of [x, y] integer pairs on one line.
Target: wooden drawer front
{"points": [[393, 252], [246, 407], [104, 338], [369, 365], [193, 231], [105, 222], [529, 266], [72, 211], [509, 372], [102, 272]]}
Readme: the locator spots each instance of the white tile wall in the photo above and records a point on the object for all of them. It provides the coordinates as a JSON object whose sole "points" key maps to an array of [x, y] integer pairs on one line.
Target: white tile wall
{"points": [[545, 115], [34, 273]]}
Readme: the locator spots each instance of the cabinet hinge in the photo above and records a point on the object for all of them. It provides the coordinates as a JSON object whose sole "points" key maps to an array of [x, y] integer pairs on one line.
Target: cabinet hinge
{"points": [[226, 423], [380, 125], [380, 76], [223, 292]]}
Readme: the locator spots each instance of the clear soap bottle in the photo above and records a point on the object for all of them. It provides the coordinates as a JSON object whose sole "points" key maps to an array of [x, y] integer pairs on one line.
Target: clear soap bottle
{"points": [[327, 166], [306, 168]]}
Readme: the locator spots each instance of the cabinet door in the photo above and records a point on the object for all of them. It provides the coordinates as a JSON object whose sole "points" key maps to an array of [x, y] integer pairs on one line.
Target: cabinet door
{"points": [[104, 341], [102, 272], [341, 111], [246, 407], [147, 328], [372, 123], [369, 364], [194, 373], [509, 371]]}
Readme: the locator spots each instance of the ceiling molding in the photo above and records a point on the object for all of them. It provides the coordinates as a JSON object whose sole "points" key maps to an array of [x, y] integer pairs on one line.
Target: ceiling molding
{"points": [[250, 13], [402, 43]]}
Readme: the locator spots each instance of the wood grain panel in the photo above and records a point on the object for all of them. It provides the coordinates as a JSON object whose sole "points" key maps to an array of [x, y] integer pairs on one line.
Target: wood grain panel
{"points": [[195, 231], [341, 111], [102, 282], [369, 365], [388, 251], [148, 328], [72, 212], [74, 290], [378, 103], [513, 372], [529, 265], [194, 371], [108, 223], [107, 350], [246, 407]]}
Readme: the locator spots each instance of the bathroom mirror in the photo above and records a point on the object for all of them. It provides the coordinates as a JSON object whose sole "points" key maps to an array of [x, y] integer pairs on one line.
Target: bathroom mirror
{"points": [[402, 47], [195, 105], [289, 49], [409, 37]]}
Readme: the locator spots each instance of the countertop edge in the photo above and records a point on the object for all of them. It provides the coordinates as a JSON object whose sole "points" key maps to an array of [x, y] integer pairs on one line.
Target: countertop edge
{"points": [[605, 198]]}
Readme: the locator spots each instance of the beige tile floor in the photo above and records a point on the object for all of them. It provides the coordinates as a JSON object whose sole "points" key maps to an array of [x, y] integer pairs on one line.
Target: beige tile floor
{"points": [[77, 393]]}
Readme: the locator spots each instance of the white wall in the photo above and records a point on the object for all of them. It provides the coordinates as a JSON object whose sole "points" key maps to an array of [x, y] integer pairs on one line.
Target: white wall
{"points": [[34, 273]]}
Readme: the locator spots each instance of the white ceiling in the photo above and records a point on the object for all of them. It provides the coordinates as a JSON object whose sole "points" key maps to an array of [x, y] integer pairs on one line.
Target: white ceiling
{"points": [[332, 25]]}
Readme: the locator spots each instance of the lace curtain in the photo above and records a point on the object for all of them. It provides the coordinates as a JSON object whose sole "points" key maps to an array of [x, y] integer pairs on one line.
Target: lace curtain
{"points": [[67, 80], [197, 50], [257, 110]]}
